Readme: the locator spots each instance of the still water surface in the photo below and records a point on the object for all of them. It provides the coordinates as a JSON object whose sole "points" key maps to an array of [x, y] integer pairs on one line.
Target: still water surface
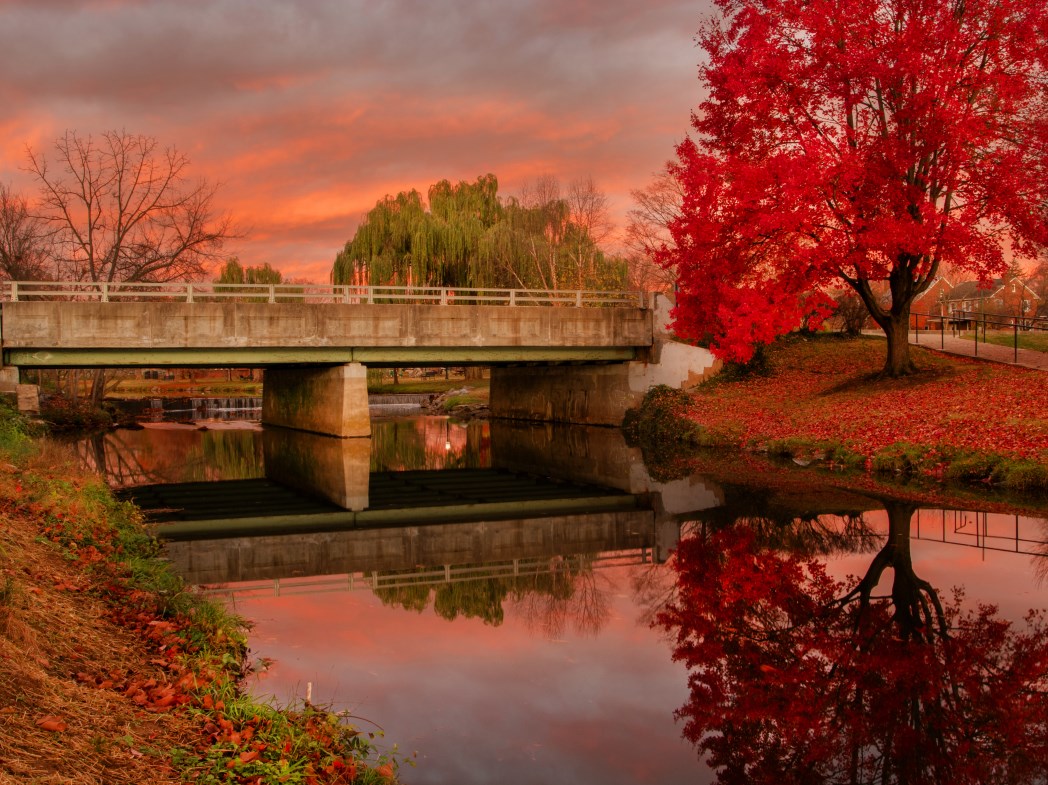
{"points": [[520, 647]]}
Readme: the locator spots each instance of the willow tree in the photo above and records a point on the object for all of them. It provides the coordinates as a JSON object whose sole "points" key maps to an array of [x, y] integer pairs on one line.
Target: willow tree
{"points": [[400, 242], [469, 237]]}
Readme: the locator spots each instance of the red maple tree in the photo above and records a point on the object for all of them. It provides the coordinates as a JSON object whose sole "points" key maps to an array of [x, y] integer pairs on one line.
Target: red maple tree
{"points": [[862, 143], [794, 678]]}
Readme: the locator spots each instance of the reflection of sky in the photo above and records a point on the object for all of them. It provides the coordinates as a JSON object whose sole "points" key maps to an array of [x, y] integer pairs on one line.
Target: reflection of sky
{"points": [[486, 704]]}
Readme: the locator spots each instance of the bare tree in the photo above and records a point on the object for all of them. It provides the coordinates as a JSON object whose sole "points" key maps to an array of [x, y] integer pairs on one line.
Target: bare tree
{"points": [[657, 205], [591, 219], [124, 210], [549, 217], [25, 242]]}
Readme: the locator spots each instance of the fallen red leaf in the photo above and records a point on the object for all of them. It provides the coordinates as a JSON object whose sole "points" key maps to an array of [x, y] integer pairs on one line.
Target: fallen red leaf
{"points": [[52, 723]]}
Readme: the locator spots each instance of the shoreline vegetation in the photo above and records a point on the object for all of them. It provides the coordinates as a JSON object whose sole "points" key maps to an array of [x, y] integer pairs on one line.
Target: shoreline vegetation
{"points": [[820, 401], [113, 671]]}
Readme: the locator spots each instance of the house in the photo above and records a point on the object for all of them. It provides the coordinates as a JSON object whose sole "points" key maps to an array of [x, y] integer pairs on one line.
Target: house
{"points": [[931, 303], [1004, 301]]}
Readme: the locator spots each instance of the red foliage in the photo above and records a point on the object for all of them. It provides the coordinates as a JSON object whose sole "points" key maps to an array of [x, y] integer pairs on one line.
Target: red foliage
{"points": [[855, 142], [820, 392], [796, 680]]}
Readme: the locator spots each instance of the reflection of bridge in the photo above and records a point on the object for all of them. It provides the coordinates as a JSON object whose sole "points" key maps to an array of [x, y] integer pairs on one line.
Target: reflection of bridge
{"points": [[983, 531], [447, 574], [315, 342], [349, 520], [448, 519]]}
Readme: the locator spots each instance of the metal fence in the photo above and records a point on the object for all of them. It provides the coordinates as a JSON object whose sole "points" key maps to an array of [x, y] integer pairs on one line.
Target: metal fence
{"points": [[979, 329], [119, 291]]}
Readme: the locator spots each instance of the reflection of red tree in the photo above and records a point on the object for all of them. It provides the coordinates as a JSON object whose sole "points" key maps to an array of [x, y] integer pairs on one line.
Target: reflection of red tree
{"points": [[795, 679]]}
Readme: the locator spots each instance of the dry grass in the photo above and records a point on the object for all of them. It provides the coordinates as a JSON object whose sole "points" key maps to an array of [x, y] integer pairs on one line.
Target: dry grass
{"points": [[51, 630]]}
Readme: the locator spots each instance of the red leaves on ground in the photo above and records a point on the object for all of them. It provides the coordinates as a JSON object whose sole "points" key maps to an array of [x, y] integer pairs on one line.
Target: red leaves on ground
{"points": [[52, 723], [823, 390]]}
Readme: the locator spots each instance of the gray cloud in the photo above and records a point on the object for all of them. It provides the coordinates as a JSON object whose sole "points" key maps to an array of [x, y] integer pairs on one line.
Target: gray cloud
{"points": [[300, 108]]}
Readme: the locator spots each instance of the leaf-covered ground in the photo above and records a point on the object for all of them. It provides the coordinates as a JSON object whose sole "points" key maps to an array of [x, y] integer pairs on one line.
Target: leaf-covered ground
{"points": [[826, 392]]}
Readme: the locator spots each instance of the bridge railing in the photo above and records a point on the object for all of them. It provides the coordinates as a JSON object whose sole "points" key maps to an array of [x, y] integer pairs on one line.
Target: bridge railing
{"points": [[121, 291]]}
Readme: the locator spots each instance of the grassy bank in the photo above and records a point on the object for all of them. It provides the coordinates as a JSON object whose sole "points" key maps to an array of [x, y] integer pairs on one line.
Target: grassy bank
{"points": [[112, 671], [820, 400]]}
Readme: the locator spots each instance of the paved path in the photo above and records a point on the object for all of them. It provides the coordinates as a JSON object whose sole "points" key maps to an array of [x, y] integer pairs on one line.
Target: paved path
{"points": [[1027, 358]]}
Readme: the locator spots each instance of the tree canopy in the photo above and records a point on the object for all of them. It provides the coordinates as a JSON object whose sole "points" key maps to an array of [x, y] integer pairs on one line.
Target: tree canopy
{"points": [[468, 236], [859, 144]]}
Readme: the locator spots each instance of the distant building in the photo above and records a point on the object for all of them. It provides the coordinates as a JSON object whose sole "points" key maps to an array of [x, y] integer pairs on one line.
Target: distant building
{"points": [[1006, 301]]}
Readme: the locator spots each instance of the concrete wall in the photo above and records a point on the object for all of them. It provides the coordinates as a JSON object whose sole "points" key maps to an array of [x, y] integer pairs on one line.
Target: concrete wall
{"points": [[331, 401], [164, 325], [600, 394], [594, 394]]}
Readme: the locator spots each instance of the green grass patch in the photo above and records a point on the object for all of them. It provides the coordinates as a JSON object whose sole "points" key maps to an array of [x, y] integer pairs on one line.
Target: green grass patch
{"points": [[1036, 341]]}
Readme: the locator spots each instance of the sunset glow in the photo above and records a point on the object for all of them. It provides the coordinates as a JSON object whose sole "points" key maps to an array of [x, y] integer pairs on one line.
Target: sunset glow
{"points": [[308, 114]]}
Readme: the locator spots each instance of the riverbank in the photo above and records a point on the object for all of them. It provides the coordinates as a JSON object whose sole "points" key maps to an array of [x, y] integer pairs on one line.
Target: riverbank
{"points": [[820, 401], [112, 671]]}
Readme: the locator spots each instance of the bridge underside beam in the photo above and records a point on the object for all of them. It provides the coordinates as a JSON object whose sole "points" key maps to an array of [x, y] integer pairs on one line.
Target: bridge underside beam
{"points": [[282, 356]]}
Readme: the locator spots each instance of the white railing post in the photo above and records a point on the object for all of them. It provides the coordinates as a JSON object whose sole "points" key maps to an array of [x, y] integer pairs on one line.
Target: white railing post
{"points": [[272, 293], [512, 296], [189, 292], [105, 291], [14, 290], [371, 295], [578, 298], [443, 296]]}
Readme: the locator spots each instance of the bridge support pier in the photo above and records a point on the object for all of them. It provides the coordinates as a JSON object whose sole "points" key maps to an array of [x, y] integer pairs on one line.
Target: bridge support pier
{"points": [[331, 400], [595, 394], [25, 396]]}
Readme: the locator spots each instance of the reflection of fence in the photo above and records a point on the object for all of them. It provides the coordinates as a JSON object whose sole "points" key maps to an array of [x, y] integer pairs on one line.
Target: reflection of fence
{"points": [[982, 530], [105, 291], [984, 328], [517, 568]]}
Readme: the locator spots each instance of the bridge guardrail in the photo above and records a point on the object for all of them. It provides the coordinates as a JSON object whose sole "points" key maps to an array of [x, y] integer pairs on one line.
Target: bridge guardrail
{"points": [[118, 291]]}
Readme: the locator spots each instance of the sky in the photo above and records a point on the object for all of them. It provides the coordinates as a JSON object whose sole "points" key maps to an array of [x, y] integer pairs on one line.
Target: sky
{"points": [[309, 112]]}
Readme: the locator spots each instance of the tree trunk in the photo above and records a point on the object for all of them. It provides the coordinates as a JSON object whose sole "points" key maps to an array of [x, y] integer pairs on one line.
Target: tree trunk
{"points": [[98, 386], [896, 328]]}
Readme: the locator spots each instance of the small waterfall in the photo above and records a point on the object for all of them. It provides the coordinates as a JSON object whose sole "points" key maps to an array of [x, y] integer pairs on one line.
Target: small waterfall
{"points": [[408, 403], [389, 400]]}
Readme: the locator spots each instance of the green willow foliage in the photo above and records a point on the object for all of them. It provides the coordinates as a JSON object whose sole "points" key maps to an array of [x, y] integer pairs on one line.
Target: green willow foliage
{"points": [[235, 273], [470, 237]]}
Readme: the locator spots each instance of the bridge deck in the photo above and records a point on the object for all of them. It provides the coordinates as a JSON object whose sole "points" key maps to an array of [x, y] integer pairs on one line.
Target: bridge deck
{"points": [[113, 334]]}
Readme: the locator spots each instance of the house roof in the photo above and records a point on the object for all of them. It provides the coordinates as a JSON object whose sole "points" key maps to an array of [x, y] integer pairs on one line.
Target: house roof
{"points": [[968, 290]]}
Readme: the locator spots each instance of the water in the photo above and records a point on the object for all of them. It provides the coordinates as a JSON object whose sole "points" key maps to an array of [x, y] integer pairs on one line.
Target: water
{"points": [[486, 594]]}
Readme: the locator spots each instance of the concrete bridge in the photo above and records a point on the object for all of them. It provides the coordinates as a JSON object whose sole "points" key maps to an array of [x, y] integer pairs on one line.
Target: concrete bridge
{"points": [[564, 356]]}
